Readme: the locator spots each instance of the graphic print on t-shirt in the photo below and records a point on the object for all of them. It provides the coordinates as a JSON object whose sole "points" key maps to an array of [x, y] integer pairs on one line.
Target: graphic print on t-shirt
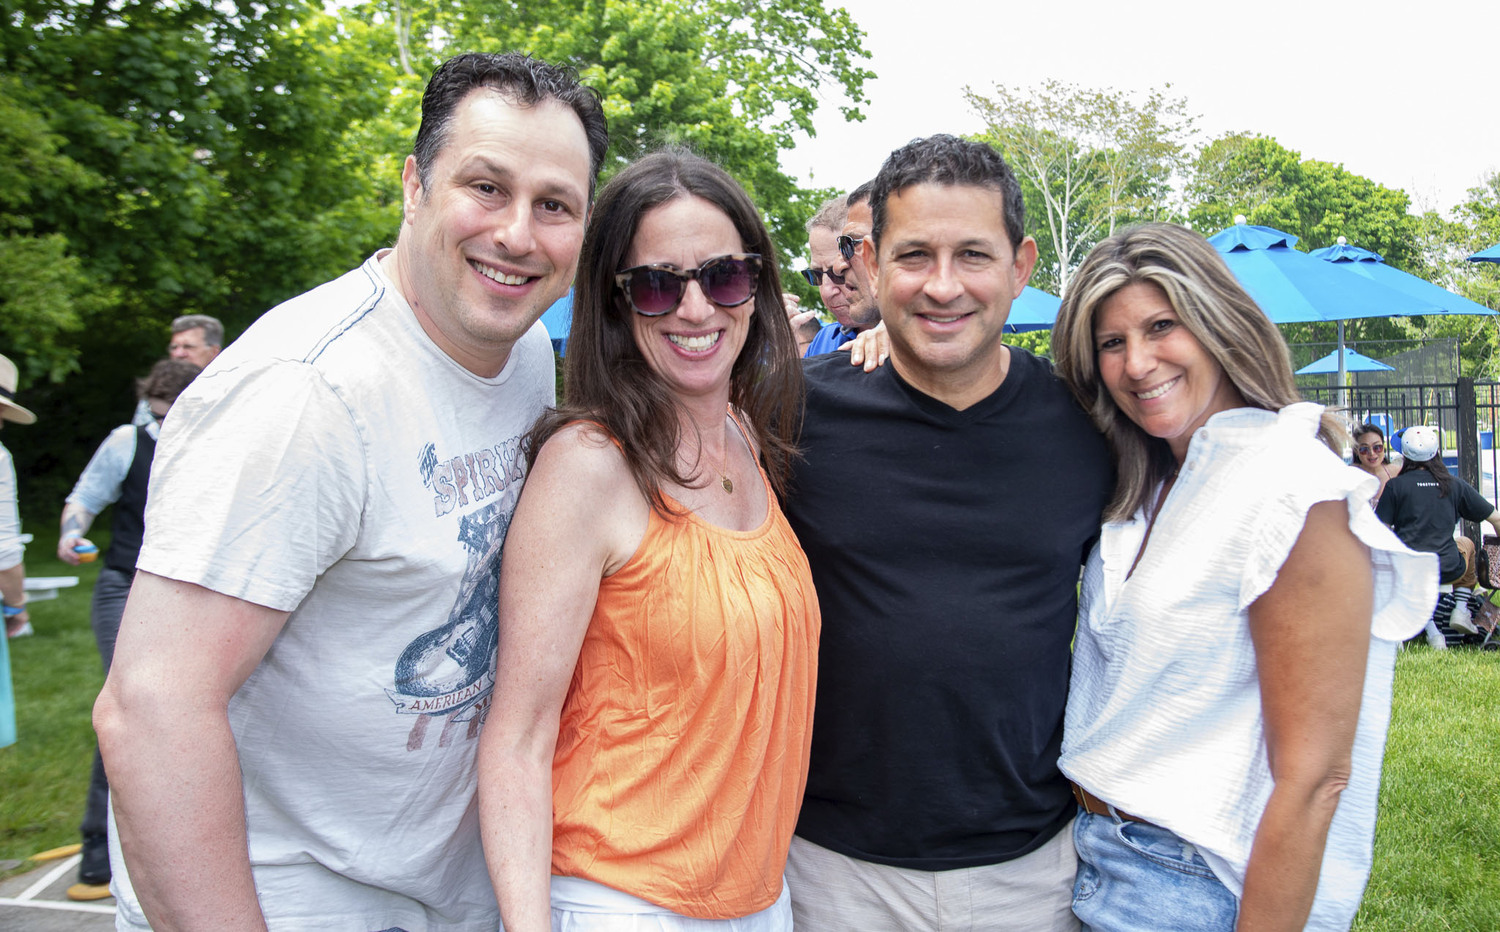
{"points": [[450, 670]]}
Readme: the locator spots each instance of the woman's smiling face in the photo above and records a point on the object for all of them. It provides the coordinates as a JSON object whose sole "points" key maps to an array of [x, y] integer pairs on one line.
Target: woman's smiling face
{"points": [[692, 347], [1157, 372], [1365, 449]]}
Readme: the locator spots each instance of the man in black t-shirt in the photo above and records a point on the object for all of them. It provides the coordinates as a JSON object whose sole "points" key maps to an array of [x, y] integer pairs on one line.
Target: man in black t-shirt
{"points": [[933, 797]]}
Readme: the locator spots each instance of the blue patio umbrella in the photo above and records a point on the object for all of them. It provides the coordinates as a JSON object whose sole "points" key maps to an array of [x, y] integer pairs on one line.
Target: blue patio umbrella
{"points": [[558, 319], [1033, 310], [1370, 265], [1366, 264], [1487, 255], [1293, 287], [1349, 362]]}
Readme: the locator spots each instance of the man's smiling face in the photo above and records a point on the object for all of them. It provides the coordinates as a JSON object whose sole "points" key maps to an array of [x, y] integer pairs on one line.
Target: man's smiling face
{"points": [[491, 237], [946, 275]]}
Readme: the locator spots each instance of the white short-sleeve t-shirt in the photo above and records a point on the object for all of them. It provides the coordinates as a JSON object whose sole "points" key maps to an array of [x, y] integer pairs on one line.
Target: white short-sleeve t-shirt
{"points": [[335, 464]]}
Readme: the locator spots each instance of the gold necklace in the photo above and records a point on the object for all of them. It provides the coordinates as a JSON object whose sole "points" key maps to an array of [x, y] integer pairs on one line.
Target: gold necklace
{"points": [[724, 479], [722, 470]]}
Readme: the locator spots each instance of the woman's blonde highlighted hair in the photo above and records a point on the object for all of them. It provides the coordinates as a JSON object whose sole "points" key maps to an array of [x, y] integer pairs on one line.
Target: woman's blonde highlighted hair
{"points": [[1215, 309]]}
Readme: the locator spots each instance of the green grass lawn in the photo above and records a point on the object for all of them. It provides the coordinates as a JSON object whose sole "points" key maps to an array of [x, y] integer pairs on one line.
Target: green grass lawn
{"points": [[1437, 845], [1437, 848], [57, 674]]}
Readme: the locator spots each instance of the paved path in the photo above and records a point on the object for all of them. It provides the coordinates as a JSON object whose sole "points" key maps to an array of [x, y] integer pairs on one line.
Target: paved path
{"points": [[34, 902]]}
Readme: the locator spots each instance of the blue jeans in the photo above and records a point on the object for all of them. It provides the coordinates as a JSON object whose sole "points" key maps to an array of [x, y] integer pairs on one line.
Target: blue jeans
{"points": [[1138, 877]]}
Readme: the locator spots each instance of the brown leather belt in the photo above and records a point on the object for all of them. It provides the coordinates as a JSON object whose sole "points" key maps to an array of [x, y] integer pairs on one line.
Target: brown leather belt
{"points": [[1097, 806]]}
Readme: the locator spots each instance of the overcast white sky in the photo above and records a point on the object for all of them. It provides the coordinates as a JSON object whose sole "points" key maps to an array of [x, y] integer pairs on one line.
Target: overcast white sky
{"points": [[1405, 94]]}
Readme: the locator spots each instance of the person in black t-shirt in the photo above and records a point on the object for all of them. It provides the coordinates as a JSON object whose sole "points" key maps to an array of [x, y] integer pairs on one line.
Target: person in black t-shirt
{"points": [[1422, 504], [933, 789]]}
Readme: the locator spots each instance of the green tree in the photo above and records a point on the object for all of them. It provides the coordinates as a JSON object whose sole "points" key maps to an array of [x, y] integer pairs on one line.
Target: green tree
{"points": [[43, 289], [178, 156], [215, 138], [731, 79], [1477, 227], [1088, 160], [1444, 247], [1270, 185]]}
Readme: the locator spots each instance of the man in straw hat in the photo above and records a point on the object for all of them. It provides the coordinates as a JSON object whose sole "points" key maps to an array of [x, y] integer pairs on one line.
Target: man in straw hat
{"points": [[12, 572]]}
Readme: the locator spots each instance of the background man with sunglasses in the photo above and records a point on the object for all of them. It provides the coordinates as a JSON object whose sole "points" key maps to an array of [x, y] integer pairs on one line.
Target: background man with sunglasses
{"points": [[933, 795], [827, 272], [291, 721], [864, 312]]}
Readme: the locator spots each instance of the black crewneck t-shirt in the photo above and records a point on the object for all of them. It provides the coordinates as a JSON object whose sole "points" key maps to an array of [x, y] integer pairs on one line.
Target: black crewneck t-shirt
{"points": [[945, 546]]}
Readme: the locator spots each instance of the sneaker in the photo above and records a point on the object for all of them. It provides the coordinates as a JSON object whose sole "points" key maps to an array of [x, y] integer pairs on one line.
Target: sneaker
{"points": [[1435, 638], [25, 630], [1462, 620]]}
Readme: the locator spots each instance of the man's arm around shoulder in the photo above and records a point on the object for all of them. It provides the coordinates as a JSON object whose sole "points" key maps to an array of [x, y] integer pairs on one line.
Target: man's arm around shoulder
{"points": [[163, 724]]}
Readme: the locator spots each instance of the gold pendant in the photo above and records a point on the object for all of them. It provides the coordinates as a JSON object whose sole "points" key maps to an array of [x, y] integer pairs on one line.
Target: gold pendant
{"points": [[728, 484]]}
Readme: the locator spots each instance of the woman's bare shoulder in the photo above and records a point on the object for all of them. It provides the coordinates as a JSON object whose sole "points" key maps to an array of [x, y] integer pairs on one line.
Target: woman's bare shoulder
{"points": [[580, 490], [585, 451]]}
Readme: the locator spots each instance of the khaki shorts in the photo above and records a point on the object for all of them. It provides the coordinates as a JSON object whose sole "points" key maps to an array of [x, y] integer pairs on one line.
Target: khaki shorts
{"points": [[1033, 893], [1470, 578]]}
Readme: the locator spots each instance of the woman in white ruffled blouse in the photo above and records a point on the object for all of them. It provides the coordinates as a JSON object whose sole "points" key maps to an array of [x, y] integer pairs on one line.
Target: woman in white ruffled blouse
{"points": [[1239, 617]]}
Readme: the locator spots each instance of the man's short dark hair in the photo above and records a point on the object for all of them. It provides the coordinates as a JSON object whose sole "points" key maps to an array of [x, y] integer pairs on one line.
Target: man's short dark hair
{"points": [[948, 160], [521, 79], [213, 331], [860, 194], [167, 380]]}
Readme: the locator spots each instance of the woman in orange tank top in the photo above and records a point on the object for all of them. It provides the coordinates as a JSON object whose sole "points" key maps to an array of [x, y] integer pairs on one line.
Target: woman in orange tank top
{"points": [[647, 749]]}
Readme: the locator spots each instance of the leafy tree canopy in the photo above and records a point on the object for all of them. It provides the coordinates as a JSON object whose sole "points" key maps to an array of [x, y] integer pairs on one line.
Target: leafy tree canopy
{"points": [[165, 157], [1088, 160], [734, 81], [1317, 201]]}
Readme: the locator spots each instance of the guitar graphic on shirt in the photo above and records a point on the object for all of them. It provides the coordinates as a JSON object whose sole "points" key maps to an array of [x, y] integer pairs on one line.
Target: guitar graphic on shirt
{"points": [[446, 659], [450, 668]]}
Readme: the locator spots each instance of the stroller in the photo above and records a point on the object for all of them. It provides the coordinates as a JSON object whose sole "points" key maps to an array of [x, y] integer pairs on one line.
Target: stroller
{"points": [[1485, 608]]}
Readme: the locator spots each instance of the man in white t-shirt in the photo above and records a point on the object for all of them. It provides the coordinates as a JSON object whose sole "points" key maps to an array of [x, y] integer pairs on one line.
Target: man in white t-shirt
{"points": [[308, 651]]}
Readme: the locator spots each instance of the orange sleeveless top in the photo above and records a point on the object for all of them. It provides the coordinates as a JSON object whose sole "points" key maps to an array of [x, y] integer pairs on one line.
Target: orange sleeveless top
{"points": [[682, 754]]}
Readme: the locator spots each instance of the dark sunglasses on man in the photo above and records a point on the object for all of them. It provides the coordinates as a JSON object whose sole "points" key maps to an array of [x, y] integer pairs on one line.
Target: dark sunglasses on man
{"points": [[815, 276], [847, 245], [654, 290]]}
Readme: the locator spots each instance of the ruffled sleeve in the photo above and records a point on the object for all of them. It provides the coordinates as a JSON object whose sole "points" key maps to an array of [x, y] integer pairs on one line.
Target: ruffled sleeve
{"points": [[1303, 472]]}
